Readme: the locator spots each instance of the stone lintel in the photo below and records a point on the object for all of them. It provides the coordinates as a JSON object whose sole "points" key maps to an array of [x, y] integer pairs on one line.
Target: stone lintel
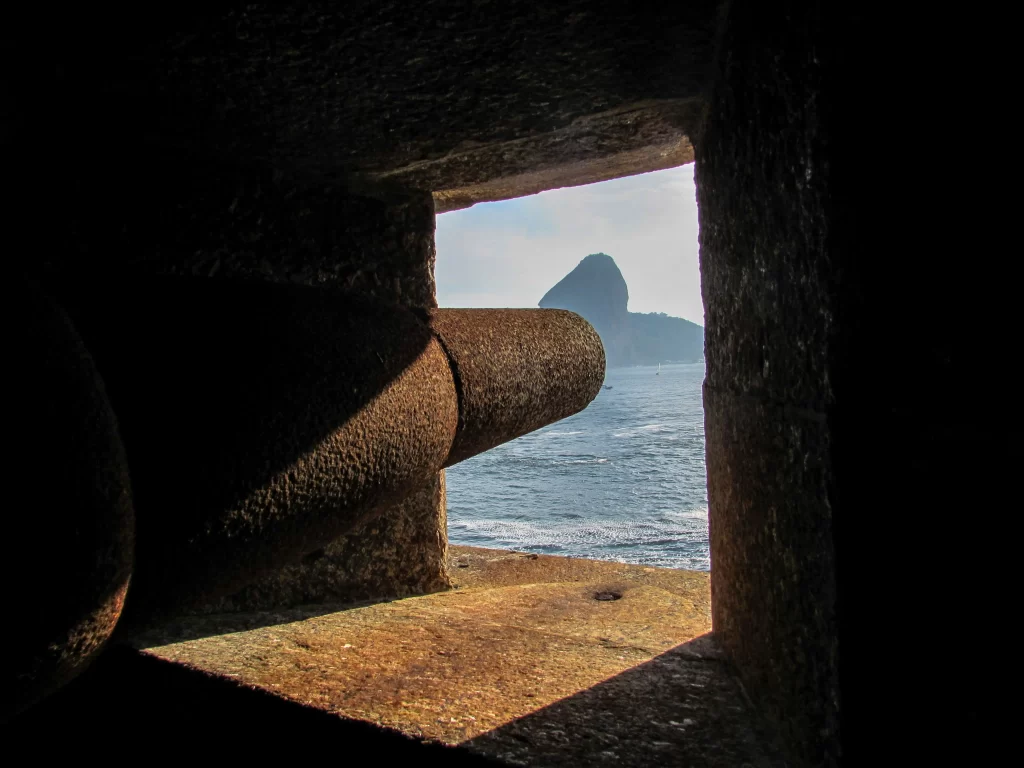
{"points": [[577, 174], [633, 139]]}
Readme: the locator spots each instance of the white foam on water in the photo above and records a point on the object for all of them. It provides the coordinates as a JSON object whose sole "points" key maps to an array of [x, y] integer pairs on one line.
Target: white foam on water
{"points": [[691, 514], [677, 540], [623, 480], [644, 431]]}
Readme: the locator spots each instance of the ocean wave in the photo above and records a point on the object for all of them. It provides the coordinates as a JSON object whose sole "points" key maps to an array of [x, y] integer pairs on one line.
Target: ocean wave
{"points": [[645, 430], [677, 540], [691, 514], [622, 480]]}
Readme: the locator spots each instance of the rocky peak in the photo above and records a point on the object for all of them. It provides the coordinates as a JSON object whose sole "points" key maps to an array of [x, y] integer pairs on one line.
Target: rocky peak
{"points": [[596, 290]]}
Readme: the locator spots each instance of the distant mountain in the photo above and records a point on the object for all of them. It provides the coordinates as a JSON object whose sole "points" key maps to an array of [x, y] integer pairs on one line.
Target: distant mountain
{"points": [[596, 290]]}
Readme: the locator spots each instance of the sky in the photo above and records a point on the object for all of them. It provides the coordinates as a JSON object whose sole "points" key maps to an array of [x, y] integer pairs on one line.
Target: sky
{"points": [[509, 253]]}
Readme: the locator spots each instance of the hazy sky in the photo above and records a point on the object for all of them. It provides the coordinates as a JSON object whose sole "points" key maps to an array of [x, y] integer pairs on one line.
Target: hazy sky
{"points": [[508, 254]]}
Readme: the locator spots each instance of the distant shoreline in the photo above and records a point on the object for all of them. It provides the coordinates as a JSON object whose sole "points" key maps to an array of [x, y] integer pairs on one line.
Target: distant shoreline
{"points": [[661, 362]]}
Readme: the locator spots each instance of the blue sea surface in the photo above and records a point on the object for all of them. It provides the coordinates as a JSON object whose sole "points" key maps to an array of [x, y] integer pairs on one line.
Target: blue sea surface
{"points": [[622, 480]]}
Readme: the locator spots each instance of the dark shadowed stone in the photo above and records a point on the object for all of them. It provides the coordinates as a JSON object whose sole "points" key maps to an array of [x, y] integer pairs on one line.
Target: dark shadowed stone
{"points": [[516, 370], [75, 517], [170, 216], [449, 95]]}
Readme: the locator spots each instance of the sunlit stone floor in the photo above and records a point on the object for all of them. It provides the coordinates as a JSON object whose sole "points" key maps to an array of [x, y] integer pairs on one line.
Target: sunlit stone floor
{"points": [[531, 660]]}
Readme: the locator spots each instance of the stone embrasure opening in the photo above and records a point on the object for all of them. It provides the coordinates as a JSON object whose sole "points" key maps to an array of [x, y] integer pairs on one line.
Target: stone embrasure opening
{"points": [[546, 492]]}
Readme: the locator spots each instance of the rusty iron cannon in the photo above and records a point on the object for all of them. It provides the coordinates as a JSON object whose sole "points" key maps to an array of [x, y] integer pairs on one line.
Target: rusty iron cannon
{"points": [[257, 422]]}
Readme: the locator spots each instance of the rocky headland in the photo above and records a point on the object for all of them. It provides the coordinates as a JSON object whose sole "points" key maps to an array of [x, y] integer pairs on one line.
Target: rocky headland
{"points": [[596, 290]]}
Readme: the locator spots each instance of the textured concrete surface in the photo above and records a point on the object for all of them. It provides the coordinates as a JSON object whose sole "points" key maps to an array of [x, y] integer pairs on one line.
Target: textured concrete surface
{"points": [[516, 370], [532, 660], [72, 509]]}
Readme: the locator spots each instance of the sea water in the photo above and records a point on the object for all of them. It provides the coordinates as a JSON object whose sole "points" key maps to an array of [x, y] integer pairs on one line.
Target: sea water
{"points": [[622, 480]]}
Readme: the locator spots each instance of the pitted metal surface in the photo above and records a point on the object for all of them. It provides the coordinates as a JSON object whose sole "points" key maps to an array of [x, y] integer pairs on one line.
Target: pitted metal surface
{"points": [[516, 370], [263, 421]]}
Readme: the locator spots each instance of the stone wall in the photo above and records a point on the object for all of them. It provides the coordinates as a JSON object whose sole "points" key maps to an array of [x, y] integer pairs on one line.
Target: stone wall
{"points": [[159, 212], [762, 193], [846, 339]]}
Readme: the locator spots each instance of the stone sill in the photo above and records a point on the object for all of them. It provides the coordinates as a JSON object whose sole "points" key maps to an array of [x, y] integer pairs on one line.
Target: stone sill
{"points": [[530, 660]]}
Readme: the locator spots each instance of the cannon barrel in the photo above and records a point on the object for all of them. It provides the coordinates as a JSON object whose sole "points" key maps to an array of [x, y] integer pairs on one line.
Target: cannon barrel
{"points": [[262, 421], [516, 370]]}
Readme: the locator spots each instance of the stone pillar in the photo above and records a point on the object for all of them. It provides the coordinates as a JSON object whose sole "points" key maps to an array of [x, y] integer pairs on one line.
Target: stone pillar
{"points": [[174, 215], [847, 445], [762, 195]]}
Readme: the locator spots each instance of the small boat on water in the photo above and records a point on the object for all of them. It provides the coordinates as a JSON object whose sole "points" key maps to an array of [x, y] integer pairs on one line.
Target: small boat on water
{"points": [[605, 386], [658, 373]]}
